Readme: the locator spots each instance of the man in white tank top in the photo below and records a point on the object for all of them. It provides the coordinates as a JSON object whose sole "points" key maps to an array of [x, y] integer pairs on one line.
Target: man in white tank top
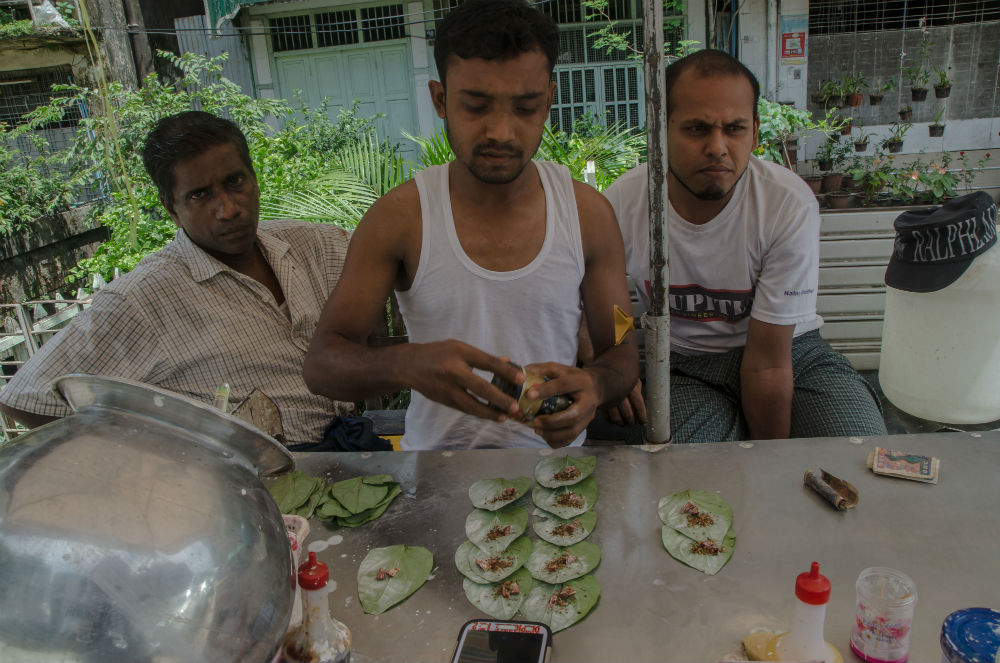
{"points": [[490, 257]]}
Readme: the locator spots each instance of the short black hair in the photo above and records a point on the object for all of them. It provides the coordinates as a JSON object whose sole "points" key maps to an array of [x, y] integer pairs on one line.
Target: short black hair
{"points": [[709, 63], [494, 30], [183, 136]]}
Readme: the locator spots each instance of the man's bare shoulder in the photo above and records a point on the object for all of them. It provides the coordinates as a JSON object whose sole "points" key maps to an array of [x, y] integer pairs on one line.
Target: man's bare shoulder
{"points": [[400, 205], [594, 209]]}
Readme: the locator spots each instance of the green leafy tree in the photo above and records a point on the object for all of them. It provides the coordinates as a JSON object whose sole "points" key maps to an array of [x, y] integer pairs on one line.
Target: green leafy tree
{"points": [[615, 38], [107, 149]]}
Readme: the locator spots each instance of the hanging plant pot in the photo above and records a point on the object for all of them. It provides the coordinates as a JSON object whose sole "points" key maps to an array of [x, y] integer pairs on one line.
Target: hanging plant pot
{"points": [[824, 164], [835, 100], [814, 182], [818, 98], [846, 129], [838, 199], [862, 146], [935, 130], [894, 146], [854, 99], [942, 91], [875, 99], [918, 93], [832, 182], [905, 115]]}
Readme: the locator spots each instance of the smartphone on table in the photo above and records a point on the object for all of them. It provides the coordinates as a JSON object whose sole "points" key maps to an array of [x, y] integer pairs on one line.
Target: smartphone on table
{"points": [[496, 641]]}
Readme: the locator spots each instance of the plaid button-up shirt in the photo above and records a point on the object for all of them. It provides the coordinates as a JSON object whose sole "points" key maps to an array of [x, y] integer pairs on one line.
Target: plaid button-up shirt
{"points": [[184, 321]]}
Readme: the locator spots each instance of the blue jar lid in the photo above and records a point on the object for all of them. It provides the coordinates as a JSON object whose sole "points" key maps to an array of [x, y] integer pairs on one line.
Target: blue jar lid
{"points": [[971, 636]]}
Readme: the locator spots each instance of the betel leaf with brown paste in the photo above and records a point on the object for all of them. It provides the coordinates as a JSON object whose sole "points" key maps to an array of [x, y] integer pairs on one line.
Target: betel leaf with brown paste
{"points": [[493, 494], [500, 600], [483, 568], [697, 514], [389, 575], [561, 606], [564, 470], [554, 564], [567, 501], [707, 556], [493, 531], [563, 531]]}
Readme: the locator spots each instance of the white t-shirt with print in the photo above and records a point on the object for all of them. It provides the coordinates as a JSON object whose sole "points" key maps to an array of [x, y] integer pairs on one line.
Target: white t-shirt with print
{"points": [[759, 257]]}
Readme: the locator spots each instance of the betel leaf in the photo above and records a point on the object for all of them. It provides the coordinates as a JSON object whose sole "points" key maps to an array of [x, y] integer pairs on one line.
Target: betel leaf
{"points": [[485, 528], [680, 548], [540, 607], [307, 509], [468, 555], [579, 527], [553, 564], [493, 494], [489, 598], [567, 501], [354, 520], [331, 508], [547, 470], [413, 566], [356, 495], [717, 508], [292, 491]]}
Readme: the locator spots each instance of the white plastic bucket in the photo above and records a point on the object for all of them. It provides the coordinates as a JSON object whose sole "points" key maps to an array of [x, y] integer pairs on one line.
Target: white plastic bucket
{"points": [[940, 355]]}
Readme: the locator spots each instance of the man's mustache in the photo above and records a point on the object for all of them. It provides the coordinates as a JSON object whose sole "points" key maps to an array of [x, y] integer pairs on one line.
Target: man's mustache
{"points": [[497, 148]]}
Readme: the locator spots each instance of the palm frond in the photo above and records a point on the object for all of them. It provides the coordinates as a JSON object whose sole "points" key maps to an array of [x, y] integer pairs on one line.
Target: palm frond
{"points": [[435, 150]]}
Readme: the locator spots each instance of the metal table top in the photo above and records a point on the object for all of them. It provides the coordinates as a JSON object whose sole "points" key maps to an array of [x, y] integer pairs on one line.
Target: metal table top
{"points": [[652, 608]]}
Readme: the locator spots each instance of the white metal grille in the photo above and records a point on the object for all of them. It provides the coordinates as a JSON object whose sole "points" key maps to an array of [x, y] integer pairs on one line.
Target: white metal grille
{"points": [[838, 16]]}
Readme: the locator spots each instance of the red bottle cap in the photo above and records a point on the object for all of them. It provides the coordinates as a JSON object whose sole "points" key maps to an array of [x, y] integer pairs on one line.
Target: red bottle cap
{"points": [[812, 587], [313, 574]]}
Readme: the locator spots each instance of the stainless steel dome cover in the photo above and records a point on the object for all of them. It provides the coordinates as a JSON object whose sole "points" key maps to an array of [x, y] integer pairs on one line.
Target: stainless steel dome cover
{"points": [[137, 529]]}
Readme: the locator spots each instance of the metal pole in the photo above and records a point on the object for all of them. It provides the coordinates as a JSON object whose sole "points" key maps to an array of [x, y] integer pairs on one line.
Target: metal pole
{"points": [[658, 318]]}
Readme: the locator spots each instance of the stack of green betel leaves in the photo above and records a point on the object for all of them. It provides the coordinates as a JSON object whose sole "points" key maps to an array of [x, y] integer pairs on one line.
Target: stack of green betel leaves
{"points": [[347, 503], [548, 581], [493, 558], [698, 529], [564, 496]]}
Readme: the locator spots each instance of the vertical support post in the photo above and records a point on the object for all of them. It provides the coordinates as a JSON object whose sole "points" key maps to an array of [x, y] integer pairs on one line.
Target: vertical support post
{"points": [[658, 318]]}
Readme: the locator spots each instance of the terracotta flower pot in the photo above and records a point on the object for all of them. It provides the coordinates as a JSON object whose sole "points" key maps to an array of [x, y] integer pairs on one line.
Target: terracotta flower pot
{"points": [[942, 91], [905, 115], [846, 129], [818, 98], [918, 93], [854, 99], [832, 182], [875, 99], [861, 147], [894, 146], [935, 130], [814, 182], [838, 199]]}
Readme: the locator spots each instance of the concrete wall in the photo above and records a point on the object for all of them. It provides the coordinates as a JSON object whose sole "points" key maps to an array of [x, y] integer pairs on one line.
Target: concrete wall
{"points": [[42, 53], [35, 262]]}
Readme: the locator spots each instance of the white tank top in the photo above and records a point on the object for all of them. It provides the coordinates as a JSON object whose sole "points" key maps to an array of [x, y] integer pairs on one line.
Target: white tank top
{"points": [[531, 314]]}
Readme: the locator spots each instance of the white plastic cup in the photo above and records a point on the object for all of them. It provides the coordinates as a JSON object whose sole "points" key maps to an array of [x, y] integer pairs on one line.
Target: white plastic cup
{"points": [[881, 631]]}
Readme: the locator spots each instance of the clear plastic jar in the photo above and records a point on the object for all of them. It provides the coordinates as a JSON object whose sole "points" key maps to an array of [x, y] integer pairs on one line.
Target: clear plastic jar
{"points": [[886, 599]]}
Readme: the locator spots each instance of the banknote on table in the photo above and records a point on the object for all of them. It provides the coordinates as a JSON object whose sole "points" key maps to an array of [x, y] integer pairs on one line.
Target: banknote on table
{"points": [[889, 462]]}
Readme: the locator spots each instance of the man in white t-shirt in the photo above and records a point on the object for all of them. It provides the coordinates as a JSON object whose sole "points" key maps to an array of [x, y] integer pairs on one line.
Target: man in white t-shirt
{"points": [[747, 360]]}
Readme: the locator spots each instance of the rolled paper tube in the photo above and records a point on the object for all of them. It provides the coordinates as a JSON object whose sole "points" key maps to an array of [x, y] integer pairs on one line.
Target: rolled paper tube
{"points": [[823, 488]]}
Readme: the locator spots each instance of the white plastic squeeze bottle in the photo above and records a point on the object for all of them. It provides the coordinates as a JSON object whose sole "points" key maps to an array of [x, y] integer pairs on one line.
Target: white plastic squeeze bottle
{"points": [[319, 638], [804, 642]]}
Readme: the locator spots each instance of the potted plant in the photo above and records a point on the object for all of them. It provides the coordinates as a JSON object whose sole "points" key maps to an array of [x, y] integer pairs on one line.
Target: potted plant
{"points": [[819, 96], [824, 155], [852, 88], [839, 199], [814, 181], [917, 78], [834, 155], [834, 93], [879, 91], [936, 129], [861, 141], [905, 113], [894, 141], [943, 87], [939, 183], [780, 125], [845, 128]]}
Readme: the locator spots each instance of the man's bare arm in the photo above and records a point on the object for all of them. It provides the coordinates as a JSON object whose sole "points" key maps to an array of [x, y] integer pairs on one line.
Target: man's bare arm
{"points": [[766, 380], [338, 364], [610, 376]]}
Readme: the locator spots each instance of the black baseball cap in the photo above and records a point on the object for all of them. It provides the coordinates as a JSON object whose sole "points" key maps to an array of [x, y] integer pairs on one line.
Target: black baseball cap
{"points": [[935, 245]]}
